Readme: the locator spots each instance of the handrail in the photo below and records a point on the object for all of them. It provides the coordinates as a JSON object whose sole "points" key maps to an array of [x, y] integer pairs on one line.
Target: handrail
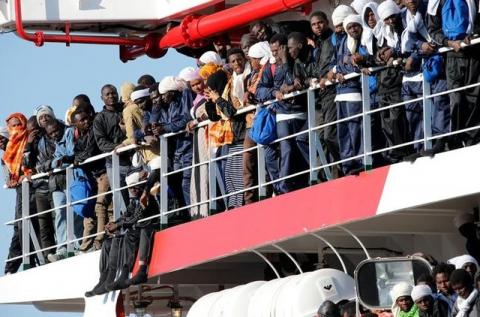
{"points": [[164, 173]]}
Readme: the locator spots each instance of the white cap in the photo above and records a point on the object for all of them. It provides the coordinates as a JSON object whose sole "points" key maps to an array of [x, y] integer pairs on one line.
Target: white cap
{"points": [[387, 9], [460, 261], [420, 291], [340, 13]]}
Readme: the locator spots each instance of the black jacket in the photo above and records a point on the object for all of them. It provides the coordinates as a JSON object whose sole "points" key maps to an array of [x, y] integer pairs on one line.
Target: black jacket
{"points": [[86, 147], [324, 52], [136, 212], [305, 69], [440, 309], [106, 128]]}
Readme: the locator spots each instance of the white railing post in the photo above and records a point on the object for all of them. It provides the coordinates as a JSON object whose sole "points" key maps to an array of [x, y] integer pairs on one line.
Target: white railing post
{"points": [[312, 138], [367, 123], [262, 191], [212, 181], [163, 181], [427, 114], [25, 225], [69, 213], [117, 195]]}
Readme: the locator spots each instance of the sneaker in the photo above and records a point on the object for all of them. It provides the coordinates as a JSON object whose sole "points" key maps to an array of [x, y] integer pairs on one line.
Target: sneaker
{"points": [[55, 257]]}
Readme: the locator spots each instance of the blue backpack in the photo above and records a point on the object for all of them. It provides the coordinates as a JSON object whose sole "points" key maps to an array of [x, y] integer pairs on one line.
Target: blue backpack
{"points": [[264, 128], [455, 19], [82, 188], [433, 68]]}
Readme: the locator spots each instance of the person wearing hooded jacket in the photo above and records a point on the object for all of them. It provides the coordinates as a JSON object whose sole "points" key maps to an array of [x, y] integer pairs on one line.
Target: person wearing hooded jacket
{"points": [[462, 67], [173, 116]]}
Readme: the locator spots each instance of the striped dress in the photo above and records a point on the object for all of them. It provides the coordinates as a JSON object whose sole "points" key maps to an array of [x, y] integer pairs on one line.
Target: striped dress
{"points": [[234, 176]]}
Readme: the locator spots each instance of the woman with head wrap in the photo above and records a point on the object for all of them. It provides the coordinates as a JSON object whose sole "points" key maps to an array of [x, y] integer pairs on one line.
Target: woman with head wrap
{"points": [[208, 69], [12, 158], [199, 183], [222, 107], [13, 155]]}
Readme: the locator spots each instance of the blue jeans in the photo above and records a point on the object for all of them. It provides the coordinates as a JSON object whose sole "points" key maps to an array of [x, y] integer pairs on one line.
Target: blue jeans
{"points": [[60, 199]]}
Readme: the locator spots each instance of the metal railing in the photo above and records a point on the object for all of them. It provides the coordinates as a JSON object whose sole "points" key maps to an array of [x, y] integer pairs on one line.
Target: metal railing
{"points": [[318, 162]]}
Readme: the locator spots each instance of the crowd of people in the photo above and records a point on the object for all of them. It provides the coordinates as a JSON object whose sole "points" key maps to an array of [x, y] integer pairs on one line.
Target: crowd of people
{"points": [[272, 60], [452, 290]]}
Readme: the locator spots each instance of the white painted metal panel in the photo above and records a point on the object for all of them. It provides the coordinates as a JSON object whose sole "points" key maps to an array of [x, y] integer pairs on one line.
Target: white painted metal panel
{"points": [[66, 279], [55, 11]]}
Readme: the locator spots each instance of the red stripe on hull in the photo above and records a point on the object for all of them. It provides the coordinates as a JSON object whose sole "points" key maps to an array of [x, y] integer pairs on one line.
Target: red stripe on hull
{"points": [[293, 214]]}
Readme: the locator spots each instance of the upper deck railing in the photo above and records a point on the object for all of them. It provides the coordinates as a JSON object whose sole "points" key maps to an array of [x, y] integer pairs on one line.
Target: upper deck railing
{"points": [[318, 162]]}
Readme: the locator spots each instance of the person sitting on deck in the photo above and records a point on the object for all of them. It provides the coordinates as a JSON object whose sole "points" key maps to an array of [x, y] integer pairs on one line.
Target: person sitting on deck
{"points": [[127, 235]]}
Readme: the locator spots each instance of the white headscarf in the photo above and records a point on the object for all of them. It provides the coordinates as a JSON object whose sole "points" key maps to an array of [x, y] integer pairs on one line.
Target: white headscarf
{"points": [[211, 57], [368, 32], [261, 50], [420, 291], [139, 94], [169, 83], [351, 42], [385, 10], [358, 5], [132, 178], [460, 261], [464, 305], [188, 74], [399, 290], [415, 24], [340, 13]]}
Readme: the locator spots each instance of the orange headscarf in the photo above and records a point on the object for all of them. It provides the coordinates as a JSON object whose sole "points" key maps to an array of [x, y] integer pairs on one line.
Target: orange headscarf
{"points": [[208, 69], [16, 145]]}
